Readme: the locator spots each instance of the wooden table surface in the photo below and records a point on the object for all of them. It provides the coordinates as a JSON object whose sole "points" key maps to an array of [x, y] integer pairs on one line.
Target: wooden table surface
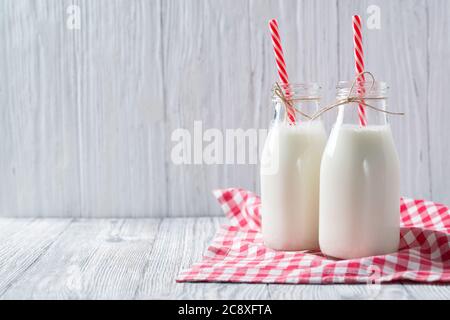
{"points": [[139, 259]]}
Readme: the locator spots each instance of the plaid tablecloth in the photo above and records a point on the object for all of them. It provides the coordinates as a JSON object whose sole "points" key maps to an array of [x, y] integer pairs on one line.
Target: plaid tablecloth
{"points": [[237, 252]]}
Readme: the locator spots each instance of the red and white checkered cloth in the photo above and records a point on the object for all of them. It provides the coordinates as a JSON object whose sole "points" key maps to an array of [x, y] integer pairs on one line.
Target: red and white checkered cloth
{"points": [[237, 252]]}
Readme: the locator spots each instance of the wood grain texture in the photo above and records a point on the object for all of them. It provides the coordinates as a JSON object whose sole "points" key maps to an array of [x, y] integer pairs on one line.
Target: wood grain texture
{"points": [[139, 259], [93, 259], [120, 103], [340, 292], [39, 161], [87, 115], [180, 243], [438, 106], [23, 244]]}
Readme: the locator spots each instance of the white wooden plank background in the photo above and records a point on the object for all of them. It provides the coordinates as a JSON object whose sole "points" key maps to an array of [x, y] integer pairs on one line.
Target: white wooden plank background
{"points": [[86, 115], [140, 259]]}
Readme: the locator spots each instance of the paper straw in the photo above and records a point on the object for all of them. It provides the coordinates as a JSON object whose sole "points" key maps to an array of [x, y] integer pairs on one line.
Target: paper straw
{"points": [[281, 66], [359, 63]]}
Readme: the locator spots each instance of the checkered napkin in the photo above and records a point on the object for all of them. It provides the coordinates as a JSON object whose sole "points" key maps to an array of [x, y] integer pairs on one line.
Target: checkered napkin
{"points": [[237, 252]]}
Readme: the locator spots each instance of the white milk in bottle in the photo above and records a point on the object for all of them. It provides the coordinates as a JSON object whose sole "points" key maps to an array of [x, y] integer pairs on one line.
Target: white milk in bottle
{"points": [[290, 173], [359, 183]]}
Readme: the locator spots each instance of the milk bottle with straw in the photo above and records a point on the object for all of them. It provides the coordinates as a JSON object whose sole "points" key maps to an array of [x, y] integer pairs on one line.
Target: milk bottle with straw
{"points": [[290, 173], [290, 164], [359, 181]]}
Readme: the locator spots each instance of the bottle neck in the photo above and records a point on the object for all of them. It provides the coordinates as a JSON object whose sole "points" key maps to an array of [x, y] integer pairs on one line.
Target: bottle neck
{"points": [[302, 97], [304, 107], [354, 113], [373, 93]]}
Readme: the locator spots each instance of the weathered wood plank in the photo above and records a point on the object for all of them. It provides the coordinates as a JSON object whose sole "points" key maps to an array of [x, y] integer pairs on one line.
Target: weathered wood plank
{"points": [[11, 226], [180, 243], [23, 244], [139, 259], [428, 291], [92, 259], [338, 292], [39, 154], [120, 102], [83, 110], [207, 77], [438, 115]]}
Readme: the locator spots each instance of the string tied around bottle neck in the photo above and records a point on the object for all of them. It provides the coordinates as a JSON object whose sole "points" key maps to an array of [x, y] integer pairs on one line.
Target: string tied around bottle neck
{"points": [[289, 101], [358, 100]]}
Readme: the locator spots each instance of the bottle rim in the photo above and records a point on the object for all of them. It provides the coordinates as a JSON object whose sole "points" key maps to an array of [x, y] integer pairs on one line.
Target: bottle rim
{"points": [[300, 90], [367, 88]]}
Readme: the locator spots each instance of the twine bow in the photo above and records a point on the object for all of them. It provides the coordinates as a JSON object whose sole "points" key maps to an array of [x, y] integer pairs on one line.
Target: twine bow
{"points": [[357, 100], [289, 102]]}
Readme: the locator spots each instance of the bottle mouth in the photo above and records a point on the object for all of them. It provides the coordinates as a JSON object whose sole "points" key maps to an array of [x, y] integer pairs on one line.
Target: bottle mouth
{"points": [[303, 90], [365, 88]]}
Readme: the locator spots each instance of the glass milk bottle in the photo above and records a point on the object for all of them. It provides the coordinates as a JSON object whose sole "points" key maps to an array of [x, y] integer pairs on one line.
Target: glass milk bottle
{"points": [[290, 172], [359, 182]]}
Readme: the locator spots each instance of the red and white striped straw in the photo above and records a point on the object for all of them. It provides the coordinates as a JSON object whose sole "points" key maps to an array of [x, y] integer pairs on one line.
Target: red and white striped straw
{"points": [[359, 63], [281, 65]]}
